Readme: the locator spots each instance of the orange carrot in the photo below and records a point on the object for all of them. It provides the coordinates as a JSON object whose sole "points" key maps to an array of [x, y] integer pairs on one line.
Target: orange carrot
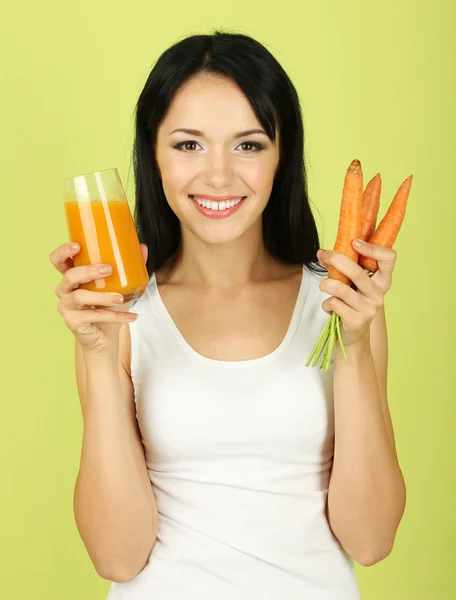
{"points": [[350, 218], [358, 216], [371, 203], [388, 229], [350, 228]]}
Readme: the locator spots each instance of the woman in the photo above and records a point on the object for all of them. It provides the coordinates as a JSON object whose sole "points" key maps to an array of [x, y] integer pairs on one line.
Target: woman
{"points": [[214, 463]]}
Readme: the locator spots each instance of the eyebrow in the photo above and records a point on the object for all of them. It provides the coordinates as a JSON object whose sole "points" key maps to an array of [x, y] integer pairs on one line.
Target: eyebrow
{"points": [[237, 135]]}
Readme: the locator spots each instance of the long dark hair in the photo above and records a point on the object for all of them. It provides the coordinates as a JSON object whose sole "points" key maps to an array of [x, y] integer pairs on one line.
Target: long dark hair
{"points": [[289, 229]]}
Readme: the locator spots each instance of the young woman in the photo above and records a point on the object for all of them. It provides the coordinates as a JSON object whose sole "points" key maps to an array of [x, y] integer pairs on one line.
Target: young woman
{"points": [[214, 463]]}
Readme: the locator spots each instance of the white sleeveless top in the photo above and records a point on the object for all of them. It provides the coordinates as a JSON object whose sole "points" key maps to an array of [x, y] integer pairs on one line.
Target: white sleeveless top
{"points": [[238, 454]]}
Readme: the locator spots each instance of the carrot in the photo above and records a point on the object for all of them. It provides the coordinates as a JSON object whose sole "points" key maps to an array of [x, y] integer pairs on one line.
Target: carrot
{"points": [[358, 217], [388, 229], [350, 218], [350, 228], [371, 203]]}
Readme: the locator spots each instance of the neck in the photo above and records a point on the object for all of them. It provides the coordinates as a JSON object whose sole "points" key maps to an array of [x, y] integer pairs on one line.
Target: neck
{"points": [[225, 266]]}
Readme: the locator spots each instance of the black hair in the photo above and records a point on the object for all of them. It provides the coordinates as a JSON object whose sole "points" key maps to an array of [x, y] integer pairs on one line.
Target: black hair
{"points": [[289, 229]]}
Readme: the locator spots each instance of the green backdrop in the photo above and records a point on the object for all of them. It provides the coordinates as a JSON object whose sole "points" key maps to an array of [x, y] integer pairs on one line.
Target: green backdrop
{"points": [[376, 82]]}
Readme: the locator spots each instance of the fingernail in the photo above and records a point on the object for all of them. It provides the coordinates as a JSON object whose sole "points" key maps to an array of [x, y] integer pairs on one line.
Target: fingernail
{"points": [[359, 243], [117, 299], [131, 317], [73, 247], [105, 269]]}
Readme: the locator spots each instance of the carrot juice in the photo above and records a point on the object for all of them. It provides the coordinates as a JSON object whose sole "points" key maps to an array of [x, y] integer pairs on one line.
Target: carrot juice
{"points": [[106, 233]]}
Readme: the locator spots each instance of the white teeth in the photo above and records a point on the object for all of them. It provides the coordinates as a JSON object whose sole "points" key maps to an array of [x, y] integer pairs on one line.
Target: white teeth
{"points": [[223, 205]]}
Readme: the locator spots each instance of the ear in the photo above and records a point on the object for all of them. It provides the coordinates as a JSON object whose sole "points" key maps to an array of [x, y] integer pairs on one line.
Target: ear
{"points": [[144, 251]]}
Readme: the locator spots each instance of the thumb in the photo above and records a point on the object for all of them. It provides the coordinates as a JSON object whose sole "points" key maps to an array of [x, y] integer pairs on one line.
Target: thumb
{"points": [[144, 251]]}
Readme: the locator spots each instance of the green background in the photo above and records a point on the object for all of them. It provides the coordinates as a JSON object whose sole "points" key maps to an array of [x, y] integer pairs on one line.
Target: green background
{"points": [[376, 82]]}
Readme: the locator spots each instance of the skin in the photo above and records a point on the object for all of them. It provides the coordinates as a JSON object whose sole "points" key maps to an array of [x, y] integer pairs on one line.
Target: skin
{"points": [[226, 254], [358, 308]]}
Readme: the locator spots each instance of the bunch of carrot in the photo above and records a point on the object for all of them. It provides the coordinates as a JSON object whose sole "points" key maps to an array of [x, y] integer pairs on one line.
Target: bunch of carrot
{"points": [[357, 220]]}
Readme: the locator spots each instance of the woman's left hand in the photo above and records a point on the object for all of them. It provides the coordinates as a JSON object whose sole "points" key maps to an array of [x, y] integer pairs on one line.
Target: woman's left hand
{"points": [[357, 308]]}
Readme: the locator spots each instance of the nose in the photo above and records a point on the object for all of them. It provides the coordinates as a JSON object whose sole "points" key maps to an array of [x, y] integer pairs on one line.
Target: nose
{"points": [[218, 171]]}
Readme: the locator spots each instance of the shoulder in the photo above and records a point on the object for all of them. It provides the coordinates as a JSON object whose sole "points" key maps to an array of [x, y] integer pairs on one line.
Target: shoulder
{"points": [[314, 276], [314, 296], [315, 270]]}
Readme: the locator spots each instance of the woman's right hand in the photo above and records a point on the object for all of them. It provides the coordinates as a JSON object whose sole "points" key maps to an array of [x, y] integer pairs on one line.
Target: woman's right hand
{"points": [[96, 329]]}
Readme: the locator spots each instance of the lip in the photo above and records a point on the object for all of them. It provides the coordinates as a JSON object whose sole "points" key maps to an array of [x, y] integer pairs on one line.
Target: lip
{"points": [[217, 214]]}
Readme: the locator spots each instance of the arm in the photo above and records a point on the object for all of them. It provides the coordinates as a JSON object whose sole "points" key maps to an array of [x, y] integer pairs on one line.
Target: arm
{"points": [[114, 505], [367, 494]]}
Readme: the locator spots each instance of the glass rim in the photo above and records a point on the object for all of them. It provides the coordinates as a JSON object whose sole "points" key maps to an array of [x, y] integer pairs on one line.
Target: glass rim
{"points": [[89, 173]]}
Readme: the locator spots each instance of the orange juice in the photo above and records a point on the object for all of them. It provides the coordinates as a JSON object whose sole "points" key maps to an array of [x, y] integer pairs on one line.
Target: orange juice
{"points": [[106, 233]]}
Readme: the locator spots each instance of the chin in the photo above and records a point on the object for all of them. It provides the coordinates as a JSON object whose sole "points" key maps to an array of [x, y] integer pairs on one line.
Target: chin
{"points": [[224, 235]]}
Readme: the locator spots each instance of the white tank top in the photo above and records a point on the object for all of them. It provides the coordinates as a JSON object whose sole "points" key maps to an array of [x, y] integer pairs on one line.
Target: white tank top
{"points": [[238, 454]]}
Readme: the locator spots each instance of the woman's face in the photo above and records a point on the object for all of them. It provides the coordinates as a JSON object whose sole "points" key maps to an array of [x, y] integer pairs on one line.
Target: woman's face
{"points": [[216, 161]]}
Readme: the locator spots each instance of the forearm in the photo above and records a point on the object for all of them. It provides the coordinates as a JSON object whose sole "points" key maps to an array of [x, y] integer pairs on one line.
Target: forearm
{"points": [[366, 496], [114, 504]]}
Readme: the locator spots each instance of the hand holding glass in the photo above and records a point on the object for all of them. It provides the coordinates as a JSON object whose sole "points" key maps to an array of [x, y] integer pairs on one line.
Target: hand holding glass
{"points": [[100, 221]]}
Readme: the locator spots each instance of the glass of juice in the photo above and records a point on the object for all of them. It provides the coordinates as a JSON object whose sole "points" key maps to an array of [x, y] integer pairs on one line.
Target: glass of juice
{"points": [[99, 220]]}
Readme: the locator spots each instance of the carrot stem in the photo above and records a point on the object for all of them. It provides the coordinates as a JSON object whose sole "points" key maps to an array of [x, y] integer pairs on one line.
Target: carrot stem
{"points": [[317, 349], [339, 335], [329, 350], [328, 337]]}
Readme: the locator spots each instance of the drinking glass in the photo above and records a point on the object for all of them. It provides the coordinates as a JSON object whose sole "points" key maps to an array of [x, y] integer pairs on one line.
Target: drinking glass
{"points": [[100, 221]]}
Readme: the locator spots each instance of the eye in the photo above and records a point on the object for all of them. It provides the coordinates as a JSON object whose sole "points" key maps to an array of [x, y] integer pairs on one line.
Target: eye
{"points": [[256, 145], [179, 146]]}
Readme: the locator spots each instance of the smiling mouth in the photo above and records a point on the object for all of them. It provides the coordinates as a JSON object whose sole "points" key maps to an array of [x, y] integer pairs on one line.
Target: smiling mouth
{"points": [[217, 204], [214, 209]]}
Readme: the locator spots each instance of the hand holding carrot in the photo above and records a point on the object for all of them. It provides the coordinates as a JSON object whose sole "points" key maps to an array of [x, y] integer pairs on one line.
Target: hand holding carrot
{"points": [[357, 307], [358, 275]]}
